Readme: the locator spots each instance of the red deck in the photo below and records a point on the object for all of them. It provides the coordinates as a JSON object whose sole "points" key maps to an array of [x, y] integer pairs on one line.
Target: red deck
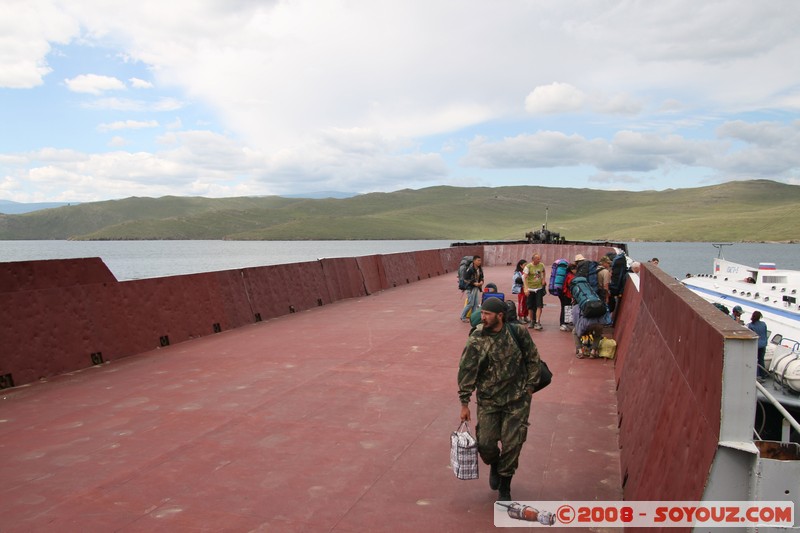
{"points": [[333, 419]]}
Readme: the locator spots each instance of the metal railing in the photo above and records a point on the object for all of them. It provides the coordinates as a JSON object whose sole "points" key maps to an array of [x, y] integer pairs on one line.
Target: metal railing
{"points": [[788, 419]]}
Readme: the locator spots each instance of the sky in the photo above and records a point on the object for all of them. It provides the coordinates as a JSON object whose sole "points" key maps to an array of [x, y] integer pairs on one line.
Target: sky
{"points": [[107, 99]]}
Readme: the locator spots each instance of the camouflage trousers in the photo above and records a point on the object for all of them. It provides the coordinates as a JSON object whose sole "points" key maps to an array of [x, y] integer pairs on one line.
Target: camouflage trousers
{"points": [[507, 424]]}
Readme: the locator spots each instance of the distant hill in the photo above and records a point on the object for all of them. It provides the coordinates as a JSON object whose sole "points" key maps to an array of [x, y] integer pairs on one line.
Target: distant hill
{"points": [[322, 194], [757, 210], [15, 208]]}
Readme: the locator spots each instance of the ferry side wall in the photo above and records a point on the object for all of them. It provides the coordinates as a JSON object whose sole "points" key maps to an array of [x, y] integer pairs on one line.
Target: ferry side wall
{"points": [[64, 315], [60, 316], [669, 388]]}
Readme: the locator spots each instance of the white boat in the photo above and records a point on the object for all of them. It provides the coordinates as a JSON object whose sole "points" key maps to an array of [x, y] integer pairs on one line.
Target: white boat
{"points": [[769, 290]]}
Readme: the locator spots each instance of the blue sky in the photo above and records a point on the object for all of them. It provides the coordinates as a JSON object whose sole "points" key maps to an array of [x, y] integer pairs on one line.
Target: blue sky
{"points": [[102, 100]]}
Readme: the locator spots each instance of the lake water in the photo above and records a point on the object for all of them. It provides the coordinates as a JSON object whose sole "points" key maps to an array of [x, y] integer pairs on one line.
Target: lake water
{"points": [[151, 259], [148, 259]]}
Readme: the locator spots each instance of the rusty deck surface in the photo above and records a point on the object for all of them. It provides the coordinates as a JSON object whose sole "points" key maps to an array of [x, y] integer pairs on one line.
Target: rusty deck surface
{"points": [[334, 419]]}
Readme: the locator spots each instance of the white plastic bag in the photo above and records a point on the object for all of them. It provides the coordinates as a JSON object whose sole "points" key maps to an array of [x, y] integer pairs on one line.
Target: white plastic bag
{"points": [[567, 314], [464, 453]]}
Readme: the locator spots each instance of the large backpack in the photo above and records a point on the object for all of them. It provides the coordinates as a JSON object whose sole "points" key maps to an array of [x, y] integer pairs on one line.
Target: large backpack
{"points": [[466, 262], [588, 269], [586, 298], [557, 276], [619, 274], [511, 313]]}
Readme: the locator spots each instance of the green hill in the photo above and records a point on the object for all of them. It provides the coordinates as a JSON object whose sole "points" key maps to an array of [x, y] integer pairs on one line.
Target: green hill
{"points": [[758, 210]]}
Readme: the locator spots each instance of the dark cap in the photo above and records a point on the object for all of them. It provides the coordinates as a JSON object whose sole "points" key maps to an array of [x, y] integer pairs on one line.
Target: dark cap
{"points": [[494, 305]]}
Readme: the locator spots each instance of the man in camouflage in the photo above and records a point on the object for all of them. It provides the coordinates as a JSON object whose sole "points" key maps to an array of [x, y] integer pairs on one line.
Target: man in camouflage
{"points": [[503, 372]]}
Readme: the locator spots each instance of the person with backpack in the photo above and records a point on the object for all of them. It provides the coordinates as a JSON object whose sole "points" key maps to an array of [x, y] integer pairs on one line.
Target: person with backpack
{"points": [[473, 280], [534, 287], [501, 364], [603, 281], [565, 299], [517, 288]]}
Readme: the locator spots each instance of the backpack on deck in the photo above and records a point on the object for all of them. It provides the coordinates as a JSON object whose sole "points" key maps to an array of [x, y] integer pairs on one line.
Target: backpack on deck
{"points": [[557, 276], [586, 298], [511, 313], [466, 262], [510, 316], [486, 295], [588, 269], [619, 274]]}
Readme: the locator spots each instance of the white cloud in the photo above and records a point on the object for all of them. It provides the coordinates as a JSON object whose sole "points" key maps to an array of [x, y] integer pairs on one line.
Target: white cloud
{"points": [[558, 98], [619, 104], [626, 151], [126, 104], [136, 83], [763, 134], [175, 124], [370, 95], [128, 125], [764, 149], [203, 162], [609, 178], [93, 84], [555, 98], [28, 29], [372, 167]]}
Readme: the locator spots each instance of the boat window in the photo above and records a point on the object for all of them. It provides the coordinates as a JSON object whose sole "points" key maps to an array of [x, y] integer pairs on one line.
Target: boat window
{"points": [[774, 279]]}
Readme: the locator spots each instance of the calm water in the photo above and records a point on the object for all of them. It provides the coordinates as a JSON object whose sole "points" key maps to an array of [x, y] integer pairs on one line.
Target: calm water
{"points": [[148, 259], [152, 259], [680, 258]]}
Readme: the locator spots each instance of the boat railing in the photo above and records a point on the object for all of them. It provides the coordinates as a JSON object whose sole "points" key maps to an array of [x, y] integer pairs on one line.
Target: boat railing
{"points": [[780, 340], [788, 419]]}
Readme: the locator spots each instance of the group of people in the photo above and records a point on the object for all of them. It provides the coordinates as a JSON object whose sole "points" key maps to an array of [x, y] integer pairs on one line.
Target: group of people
{"points": [[529, 283], [757, 326], [501, 364]]}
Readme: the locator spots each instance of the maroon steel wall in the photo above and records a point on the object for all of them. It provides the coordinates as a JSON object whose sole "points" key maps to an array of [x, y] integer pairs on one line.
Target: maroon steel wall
{"points": [[669, 379], [63, 315], [509, 254], [32, 275]]}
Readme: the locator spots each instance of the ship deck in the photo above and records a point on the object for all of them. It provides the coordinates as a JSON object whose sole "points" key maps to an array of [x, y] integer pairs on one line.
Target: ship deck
{"points": [[334, 419]]}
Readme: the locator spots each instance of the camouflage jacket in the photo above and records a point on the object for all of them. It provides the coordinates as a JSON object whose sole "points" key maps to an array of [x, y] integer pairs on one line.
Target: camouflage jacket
{"points": [[494, 365]]}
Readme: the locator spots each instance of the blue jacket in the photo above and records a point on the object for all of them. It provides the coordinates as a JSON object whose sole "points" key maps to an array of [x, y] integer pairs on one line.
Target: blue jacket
{"points": [[761, 330]]}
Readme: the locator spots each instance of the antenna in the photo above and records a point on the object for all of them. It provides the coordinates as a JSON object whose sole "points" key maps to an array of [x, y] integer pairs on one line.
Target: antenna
{"points": [[718, 246]]}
